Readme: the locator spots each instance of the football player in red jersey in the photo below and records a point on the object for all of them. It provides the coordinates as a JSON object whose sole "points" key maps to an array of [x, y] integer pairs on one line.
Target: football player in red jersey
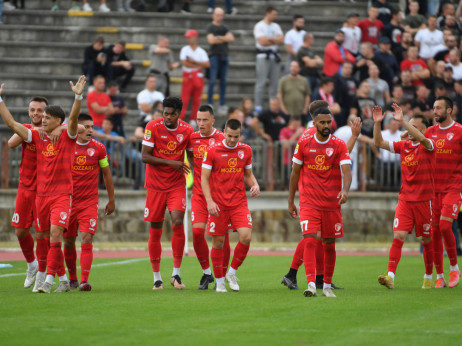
{"points": [[25, 212], [227, 164], [90, 156], [326, 179], [164, 144], [200, 141], [417, 190], [54, 178], [448, 187]]}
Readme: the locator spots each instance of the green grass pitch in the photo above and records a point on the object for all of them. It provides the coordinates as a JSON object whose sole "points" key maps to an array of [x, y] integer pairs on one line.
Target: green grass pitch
{"points": [[122, 309]]}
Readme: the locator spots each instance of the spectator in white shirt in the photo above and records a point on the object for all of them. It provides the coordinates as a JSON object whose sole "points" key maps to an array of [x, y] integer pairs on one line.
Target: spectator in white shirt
{"points": [[148, 97], [429, 40], [352, 34], [293, 40]]}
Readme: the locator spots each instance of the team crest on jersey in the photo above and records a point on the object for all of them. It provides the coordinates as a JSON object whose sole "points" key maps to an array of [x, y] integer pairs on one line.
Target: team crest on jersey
{"points": [[92, 222], [240, 154], [232, 162], [338, 227], [249, 217], [211, 141], [63, 215], [426, 227], [395, 222], [81, 160], [179, 138], [91, 151], [329, 151], [450, 136], [455, 207], [171, 145], [147, 135]]}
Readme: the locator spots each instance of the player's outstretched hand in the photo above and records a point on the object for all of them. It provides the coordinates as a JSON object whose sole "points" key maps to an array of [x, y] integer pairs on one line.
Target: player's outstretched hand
{"points": [[78, 87], [1, 88], [213, 208], [110, 207], [342, 197], [356, 125], [377, 114], [404, 136], [255, 191], [293, 210], [398, 115]]}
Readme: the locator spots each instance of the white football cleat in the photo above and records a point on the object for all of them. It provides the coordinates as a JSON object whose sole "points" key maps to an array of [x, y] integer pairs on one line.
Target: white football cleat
{"points": [[232, 280], [221, 288], [30, 277]]}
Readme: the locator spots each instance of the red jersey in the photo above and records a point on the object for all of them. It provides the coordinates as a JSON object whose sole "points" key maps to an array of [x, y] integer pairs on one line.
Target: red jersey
{"points": [[419, 64], [321, 173], [85, 173], [448, 169], [54, 164], [199, 146], [102, 99], [228, 166], [417, 167], [28, 166], [370, 31], [167, 144]]}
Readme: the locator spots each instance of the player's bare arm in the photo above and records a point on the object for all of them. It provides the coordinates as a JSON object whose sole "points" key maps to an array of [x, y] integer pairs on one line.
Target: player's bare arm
{"points": [[14, 141], [77, 89], [293, 184], [251, 181], [378, 118], [416, 134], [356, 125], [343, 194], [212, 207], [107, 176], [148, 157], [9, 121]]}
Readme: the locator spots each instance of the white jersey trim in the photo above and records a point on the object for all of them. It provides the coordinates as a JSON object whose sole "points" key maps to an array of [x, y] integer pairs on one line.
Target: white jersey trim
{"points": [[297, 161], [206, 166], [345, 162], [29, 136], [392, 147], [445, 128], [248, 166], [72, 137], [149, 144]]}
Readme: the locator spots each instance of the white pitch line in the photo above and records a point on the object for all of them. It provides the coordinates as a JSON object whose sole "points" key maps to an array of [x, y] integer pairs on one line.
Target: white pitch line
{"points": [[93, 266]]}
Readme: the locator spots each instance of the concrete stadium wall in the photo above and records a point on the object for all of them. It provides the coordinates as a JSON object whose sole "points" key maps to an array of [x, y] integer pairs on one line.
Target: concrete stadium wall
{"points": [[367, 217]]}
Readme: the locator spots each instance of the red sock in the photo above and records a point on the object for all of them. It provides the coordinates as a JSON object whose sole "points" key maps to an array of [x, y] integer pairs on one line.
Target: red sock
{"points": [[437, 240], [70, 256], [155, 248], [240, 253], [86, 259], [297, 260], [55, 259], [449, 241], [217, 262], [395, 255], [226, 253], [309, 259], [27, 247], [319, 258], [329, 262], [178, 240], [428, 257], [43, 245], [200, 247]]}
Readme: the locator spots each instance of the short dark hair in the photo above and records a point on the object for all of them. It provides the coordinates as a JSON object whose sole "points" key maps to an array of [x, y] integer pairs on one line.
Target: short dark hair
{"points": [[56, 112], [325, 80], [149, 76], [98, 76], [110, 119], [297, 16], [322, 110], [395, 11], [112, 83], [99, 39], [173, 102], [156, 104], [295, 118], [206, 108], [233, 124], [84, 117], [231, 110], [424, 120], [39, 99], [122, 42], [270, 9], [318, 104], [447, 101]]}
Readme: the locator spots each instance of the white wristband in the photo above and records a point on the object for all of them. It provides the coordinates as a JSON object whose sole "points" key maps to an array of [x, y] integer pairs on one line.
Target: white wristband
{"points": [[78, 97], [1, 100]]}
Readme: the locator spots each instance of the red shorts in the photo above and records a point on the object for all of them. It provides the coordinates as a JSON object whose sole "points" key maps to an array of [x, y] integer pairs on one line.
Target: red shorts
{"points": [[238, 217], [53, 210], [330, 223], [25, 210], [446, 204], [410, 214], [199, 212], [83, 218], [156, 202]]}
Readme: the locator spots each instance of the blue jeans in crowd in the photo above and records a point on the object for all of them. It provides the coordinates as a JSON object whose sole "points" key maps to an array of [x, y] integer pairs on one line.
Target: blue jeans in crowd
{"points": [[218, 69]]}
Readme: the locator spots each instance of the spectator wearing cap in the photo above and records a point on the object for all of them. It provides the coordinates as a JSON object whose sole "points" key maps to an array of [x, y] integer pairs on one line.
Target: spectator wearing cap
{"points": [[268, 35], [371, 26], [352, 34], [429, 40], [335, 54], [454, 62], [194, 59], [385, 9], [384, 53], [119, 64], [394, 30]]}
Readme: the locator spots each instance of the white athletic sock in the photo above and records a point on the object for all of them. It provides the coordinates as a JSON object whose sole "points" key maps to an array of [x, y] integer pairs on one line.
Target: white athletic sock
{"points": [[392, 275], [232, 271], [176, 271], [32, 265], [157, 276], [63, 278], [456, 267], [40, 276], [50, 279], [439, 276], [220, 281], [326, 285], [207, 271], [428, 276], [312, 284]]}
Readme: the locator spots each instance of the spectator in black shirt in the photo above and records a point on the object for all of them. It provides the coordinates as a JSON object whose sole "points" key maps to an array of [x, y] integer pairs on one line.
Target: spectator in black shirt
{"points": [[120, 109], [119, 64], [273, 120], [94, 60]]}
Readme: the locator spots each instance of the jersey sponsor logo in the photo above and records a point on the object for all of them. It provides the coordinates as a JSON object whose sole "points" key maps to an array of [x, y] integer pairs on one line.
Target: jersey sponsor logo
{"points": [[329, 151], [91, 151], [232, 162], [31, 147], [395, 223], [440, 143], [211, 141], [50, 152], [146, 212], [81, 160], [63, 215], [147, 134], [409, 161], [15, 218], [179, 138], [320, 159], [171, 145], [201, 151], [240, 154], [450, 136]]}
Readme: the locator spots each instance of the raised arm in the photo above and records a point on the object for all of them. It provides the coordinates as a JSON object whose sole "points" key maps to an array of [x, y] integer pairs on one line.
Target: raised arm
{"points": [[418, 136], [378, 139], [355, 132], [74, 116], [14, 141], [8, 119]]}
